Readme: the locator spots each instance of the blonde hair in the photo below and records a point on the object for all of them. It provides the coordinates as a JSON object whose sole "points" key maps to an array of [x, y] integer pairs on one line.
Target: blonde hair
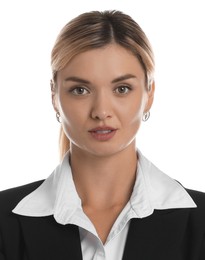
{"points": [[95, 30]]}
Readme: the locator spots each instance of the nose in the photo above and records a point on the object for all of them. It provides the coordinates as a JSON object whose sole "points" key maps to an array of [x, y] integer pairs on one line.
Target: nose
{"points": [[101, 107]]}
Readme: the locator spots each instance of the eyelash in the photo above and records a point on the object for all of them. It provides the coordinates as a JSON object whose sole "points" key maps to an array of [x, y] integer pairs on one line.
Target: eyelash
{"points": [[116, 90], [128, 89], [73, 91]]}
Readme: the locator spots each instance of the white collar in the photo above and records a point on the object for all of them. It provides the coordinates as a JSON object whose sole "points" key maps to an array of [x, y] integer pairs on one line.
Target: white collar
{"points": [[57, 195]]}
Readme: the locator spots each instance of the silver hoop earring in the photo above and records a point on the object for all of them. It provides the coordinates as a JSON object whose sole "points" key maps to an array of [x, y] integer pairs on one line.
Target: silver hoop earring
{"points": [[58, 117], [146, 116]]}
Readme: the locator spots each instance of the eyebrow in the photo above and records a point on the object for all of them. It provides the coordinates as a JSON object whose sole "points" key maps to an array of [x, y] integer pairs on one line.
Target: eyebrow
{"points": [[124, 77], [77, 79], [80, 80]]}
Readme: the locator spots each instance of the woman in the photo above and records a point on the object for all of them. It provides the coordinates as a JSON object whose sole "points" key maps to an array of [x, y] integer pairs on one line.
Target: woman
{"points": [[105, 200]]}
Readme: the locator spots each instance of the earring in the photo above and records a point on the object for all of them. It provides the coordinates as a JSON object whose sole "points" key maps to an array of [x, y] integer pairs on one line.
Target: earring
{"points": [[146, 116], [58, 117]]}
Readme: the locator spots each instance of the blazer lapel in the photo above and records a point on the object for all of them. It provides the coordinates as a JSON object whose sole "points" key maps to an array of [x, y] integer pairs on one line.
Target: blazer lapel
{"points": [[157, 237], [45, 239]]}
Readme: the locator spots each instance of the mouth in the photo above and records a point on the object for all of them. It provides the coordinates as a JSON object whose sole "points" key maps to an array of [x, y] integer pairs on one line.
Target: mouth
{"points": [[102, 133]]}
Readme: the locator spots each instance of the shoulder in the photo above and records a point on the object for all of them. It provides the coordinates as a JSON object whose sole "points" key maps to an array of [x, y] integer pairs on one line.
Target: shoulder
{"points": [[198, 213], [10, 229], [10, 198], [198, 197]]}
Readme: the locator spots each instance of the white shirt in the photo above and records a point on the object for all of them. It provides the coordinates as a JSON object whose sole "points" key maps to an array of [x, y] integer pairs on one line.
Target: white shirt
{"points": [[57, 196]]}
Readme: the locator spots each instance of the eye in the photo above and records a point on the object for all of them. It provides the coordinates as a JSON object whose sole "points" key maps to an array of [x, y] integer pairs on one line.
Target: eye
{"points": [[122, 89], [79, 91]]}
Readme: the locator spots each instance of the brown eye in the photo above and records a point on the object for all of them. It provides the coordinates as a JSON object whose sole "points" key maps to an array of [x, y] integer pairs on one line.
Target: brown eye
{"points": [[79, 91], [122, 90]]}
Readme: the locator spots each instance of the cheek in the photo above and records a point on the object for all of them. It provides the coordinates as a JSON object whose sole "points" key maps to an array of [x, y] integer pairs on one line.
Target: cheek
{"points": [[133, 113], [73, 115], [71, 124]]}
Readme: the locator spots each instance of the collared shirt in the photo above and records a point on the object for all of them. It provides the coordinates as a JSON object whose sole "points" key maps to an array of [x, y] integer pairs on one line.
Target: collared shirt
{"points": [[57, 196]]}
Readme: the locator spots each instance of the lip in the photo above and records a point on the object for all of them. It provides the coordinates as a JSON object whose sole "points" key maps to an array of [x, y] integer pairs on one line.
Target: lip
{"points": [[104, 133]]}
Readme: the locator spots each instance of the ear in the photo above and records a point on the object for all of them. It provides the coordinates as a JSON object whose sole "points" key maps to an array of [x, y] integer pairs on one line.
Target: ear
{"points": [[54, 95], [150, 96]]}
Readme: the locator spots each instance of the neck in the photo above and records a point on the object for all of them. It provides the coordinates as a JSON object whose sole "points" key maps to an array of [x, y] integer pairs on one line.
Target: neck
{"points": [[104, 182]]}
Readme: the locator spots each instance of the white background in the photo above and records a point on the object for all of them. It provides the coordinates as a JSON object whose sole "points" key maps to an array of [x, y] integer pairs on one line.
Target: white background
{"points": [[173, 138]]}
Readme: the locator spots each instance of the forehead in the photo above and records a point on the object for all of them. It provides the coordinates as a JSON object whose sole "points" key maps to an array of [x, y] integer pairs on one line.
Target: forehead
{"points": [[109, 62]]}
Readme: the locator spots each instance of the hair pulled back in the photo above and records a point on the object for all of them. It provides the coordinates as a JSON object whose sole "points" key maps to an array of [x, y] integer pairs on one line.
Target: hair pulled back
{"points": [[94, 30]]}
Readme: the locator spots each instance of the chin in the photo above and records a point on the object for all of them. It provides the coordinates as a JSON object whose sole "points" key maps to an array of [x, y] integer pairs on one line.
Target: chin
{"points": [[106, 151]]}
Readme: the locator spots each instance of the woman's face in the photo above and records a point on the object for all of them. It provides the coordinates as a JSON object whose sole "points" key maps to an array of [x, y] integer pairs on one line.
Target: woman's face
{"points": [[101, 97]]}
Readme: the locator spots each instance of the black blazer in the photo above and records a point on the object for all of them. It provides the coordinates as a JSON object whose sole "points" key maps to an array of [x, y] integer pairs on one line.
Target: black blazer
{"points": [[177, 234]]}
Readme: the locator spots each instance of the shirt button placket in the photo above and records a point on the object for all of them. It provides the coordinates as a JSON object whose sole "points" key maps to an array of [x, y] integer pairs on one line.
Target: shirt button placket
{"points": [[101, 255]]}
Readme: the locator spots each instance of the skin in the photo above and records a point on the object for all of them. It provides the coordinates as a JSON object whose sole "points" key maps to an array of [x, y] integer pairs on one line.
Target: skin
{"points": [[113, 94]]}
